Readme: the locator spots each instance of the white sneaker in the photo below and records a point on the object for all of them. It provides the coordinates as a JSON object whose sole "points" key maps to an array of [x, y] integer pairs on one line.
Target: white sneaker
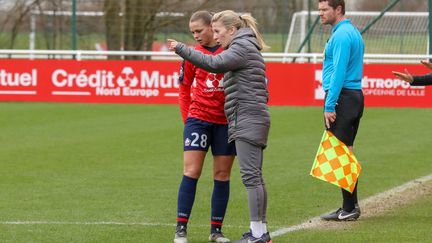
{"points": [[218, 237], [180, 235]]}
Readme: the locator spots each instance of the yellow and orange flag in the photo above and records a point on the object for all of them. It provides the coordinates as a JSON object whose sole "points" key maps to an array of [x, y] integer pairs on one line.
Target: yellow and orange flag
{"points": [[335, 163]]}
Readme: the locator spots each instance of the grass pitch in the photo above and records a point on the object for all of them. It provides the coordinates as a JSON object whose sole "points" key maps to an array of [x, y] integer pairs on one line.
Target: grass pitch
{"points": [[110, 173]]}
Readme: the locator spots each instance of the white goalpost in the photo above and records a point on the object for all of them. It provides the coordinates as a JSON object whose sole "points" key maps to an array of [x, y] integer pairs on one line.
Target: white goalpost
{"points": [[394, 33]]}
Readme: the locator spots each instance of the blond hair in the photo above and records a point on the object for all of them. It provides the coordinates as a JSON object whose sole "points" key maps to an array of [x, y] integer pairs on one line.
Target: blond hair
{"points": [[230, 18]]}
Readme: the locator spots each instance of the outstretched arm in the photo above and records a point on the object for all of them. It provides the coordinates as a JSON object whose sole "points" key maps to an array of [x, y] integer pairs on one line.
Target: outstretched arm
{"points": [[422, 80], [406, 76], [231, 59], [419, 80]]}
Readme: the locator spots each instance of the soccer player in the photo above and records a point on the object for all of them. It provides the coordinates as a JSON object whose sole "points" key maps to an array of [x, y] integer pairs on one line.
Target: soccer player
{"points": [[205, 126], [246, 108], [418, 80], [344, 102]]}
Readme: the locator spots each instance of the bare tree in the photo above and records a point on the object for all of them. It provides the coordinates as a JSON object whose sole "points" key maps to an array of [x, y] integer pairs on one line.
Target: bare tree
{"points": [[285, 10], [143, 18], [17, 15], [112, 9], [52, 27], [403, 5], [130, 24]]}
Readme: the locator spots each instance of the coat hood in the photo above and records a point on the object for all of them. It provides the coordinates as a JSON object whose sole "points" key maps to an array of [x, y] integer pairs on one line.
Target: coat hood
{"points": [[246, 34]]}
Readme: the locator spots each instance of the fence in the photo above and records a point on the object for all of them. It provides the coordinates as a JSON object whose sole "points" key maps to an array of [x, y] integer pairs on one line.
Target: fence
{"points": [[159, 55], [394, 33], [48, 24]]}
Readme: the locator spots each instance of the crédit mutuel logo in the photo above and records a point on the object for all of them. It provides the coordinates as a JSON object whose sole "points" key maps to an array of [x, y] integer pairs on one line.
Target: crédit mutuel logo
{"points": [[18, 83], [128, 82], [22, 79]]}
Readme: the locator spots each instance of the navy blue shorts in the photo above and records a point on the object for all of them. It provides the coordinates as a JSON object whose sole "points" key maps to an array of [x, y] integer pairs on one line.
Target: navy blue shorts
{"points": [[200, 135]]}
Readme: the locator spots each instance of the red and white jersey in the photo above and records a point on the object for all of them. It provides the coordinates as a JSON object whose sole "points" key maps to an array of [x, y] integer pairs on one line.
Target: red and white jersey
{"points": [[204, 99]]}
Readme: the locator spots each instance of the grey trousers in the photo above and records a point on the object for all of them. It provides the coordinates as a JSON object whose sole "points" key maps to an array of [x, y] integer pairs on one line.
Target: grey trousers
{"points": [[250, 159]]}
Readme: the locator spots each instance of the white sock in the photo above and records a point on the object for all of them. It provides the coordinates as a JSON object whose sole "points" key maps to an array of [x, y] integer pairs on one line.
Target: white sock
{"points": [[257, 228], [265, 227]]}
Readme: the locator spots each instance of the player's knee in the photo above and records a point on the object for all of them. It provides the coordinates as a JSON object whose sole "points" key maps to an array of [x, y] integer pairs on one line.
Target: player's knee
{"points": [[192, 173], [222, 175]]}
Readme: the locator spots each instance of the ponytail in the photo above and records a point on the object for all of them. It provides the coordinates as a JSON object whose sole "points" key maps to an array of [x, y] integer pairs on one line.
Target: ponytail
{"points": [[250, 22], [230, 18]]}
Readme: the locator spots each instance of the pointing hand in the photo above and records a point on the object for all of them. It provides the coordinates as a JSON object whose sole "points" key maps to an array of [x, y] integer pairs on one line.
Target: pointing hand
{"points": [[172, 44]]}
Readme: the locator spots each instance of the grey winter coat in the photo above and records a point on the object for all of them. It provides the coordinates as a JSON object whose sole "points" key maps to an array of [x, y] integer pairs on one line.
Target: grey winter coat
{"points": [[245, 86]]}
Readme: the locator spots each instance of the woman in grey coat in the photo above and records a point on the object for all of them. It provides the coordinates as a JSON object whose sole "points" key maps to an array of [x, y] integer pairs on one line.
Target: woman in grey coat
{"points": [[246, 108]]}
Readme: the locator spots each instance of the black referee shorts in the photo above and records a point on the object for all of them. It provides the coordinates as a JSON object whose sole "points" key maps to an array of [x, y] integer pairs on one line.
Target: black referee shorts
{"points": [[349, 110]]}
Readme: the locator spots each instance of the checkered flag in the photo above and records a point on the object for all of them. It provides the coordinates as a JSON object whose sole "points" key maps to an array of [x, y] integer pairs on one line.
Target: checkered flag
{"points": [[335, 163]]}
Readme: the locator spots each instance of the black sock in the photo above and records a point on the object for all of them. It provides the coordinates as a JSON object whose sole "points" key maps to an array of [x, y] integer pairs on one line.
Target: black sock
{"points": [[186, 198], [220, 197], [349, 200]]}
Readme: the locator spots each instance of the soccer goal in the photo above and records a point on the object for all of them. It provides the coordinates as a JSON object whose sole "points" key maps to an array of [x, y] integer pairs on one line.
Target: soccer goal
{"points": [[394, 33]]}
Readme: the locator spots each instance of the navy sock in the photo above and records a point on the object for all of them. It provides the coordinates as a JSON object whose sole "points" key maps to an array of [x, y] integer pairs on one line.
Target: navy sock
{"points": [[186, 198], [220, 197], [349, 200]]}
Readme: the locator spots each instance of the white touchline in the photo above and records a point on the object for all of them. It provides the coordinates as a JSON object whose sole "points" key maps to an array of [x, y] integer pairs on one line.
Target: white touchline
{"points": [[79, 93], [101, 223], [171, 94], [81, 223], [310, 223]]}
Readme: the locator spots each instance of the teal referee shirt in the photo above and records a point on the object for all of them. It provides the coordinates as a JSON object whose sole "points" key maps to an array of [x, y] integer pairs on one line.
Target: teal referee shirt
{"points": [[343, 62]]}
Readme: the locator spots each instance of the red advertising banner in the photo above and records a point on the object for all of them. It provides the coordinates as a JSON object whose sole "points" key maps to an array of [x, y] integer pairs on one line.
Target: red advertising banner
{"points": [[156, 82], [382, 88], [89, 81]]}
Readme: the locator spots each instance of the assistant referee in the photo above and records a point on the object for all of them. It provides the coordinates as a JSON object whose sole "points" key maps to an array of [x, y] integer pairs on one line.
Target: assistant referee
{"points": [[344, 102]]}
